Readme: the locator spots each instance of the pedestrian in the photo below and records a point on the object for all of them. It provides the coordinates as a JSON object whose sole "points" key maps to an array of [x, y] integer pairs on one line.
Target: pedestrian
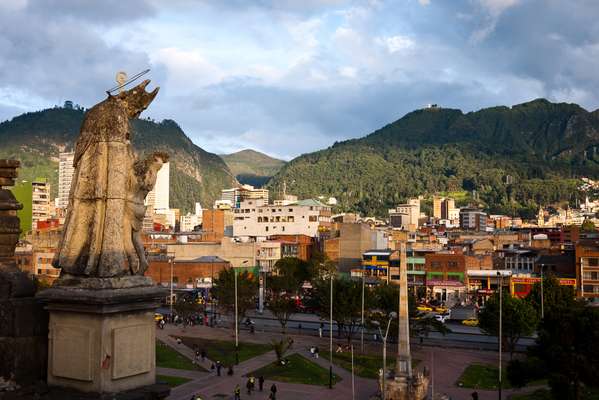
{"points": [[313, 351], [230, 370], [299, 328], [260, 382], [203, 355], [197, 355], [474, 395], [218, 368], [179, 341], [316, 353], [252, 382], [273, 392], [237, 393], [320, 329], [248, 385]]}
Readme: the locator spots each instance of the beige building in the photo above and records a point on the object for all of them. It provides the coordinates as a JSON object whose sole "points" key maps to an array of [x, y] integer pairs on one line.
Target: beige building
{"points": [[236, 196], [65, 177], [304, 217], [41, 206], [405, 216], [268, 254]]}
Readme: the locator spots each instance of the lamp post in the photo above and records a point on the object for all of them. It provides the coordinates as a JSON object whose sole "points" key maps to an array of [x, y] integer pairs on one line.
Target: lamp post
{"points": [[172, 260], [392, 315], [236, 317], [362, 323], [500, 277], [542, 300], [331, 336]]}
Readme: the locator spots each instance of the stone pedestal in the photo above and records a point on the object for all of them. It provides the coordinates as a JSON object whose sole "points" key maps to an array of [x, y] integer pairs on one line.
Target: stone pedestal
{"points": [[415, 388], [102, 340]]}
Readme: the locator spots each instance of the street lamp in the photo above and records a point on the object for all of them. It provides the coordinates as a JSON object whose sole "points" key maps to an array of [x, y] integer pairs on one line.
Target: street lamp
{"points": [[392, 316], [172, 260], [542, 300], [236, 317], [331, 336], [500, 278], [362, 330]]}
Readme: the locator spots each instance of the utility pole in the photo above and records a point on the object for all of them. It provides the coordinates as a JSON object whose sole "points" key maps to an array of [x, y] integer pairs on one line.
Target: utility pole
{"points": [[362, 325]]}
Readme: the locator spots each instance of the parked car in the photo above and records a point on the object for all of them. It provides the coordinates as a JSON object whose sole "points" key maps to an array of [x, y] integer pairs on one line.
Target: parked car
{"points": [[424, 308], [470, 322], [158, 317]]}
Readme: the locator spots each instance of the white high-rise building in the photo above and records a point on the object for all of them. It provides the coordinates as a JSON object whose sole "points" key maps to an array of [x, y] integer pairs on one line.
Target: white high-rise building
{"points": [[65, 177], [158, 198]]}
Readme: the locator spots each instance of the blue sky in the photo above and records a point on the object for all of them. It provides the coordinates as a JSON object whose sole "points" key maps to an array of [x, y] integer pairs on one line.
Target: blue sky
{"points": [[292, 76]]}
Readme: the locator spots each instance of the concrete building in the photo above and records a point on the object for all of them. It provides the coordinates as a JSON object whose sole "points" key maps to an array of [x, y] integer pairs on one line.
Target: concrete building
{"points": [[444, 209], [268, 254], [406, 216], [189, 222], [158, 198], [65, 177], [305, 217], [348, 242], [473, 219], [245, 193], [239, 254], [587, 270]]}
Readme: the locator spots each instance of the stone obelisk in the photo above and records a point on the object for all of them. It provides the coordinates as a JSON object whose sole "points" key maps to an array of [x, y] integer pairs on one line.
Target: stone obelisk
{"points": [[405, 385]]}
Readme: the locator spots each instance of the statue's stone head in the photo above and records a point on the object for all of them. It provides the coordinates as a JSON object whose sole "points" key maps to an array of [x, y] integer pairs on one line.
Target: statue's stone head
{"points": [[137, 99]]}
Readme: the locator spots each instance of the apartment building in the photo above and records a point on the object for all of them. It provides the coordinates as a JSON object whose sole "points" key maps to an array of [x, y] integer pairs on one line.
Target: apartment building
{"points": [[305, 217], [473, 219], [587, 270], [66, 169], [235, 196], [405, 216]]}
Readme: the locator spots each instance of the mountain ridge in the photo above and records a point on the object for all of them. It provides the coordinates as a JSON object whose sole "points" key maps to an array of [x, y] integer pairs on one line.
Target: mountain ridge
{"points": [[37, 137], [442, 149], [251, 166]]}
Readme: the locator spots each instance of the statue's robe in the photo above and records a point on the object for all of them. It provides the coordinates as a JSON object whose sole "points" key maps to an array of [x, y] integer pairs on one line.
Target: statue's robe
{"points": [[94, 241]]}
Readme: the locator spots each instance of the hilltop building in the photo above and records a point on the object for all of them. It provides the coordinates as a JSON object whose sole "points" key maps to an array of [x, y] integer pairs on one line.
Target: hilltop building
{"points": [[405, 216], [236, 196], [473, 219]]}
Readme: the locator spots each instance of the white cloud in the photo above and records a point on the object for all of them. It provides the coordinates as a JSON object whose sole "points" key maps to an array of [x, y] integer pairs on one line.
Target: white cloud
{"points": [[424, 2], [348, 72], [396, 43], [492, 10], [187, 67]]}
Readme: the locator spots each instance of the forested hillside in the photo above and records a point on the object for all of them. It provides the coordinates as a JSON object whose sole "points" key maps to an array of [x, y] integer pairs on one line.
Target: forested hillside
{"points": [[252, 167], [37, 138], [509, 160]]}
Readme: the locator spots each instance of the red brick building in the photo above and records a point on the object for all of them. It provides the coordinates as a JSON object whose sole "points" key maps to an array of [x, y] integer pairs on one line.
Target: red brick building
{"points": [[186, 273]]}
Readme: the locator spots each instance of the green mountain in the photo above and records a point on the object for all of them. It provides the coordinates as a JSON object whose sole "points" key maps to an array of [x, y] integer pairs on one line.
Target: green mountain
{"points": [[37, 138], [252, 167], [509, 160]]}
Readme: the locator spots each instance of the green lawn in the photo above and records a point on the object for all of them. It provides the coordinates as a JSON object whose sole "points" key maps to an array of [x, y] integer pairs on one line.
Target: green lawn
{"points": [[482, 376], [365, 365], [299, 370], [224, 351], [545, 394], [172, 381], [169, 358]]}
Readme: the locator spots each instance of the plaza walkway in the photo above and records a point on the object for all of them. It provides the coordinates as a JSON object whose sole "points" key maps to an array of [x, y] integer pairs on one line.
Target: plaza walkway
{"points": [[447, 366]]}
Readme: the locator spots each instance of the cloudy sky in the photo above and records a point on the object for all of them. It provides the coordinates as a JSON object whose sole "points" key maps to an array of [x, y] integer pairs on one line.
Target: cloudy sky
{"points": [[292, 76]]}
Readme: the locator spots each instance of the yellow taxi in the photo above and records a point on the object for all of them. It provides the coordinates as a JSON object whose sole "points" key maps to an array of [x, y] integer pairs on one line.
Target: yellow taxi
{"points": [[470, 322], [441, 310], [158, 317], [424, 308]]}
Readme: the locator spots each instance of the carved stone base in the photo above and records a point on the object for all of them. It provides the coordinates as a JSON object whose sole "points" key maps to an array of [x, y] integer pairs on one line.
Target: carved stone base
{"points": [[403, 389], [101, 341]]}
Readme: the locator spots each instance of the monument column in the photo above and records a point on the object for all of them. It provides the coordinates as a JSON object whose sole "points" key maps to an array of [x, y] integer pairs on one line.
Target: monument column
{"points": [[405, 385]]}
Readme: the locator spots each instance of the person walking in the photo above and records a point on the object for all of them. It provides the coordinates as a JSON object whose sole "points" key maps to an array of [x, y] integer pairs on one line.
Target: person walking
{"points": [[248, 386], [320, 329], [260, 382], [230, 370], [474, 395], [218, 368], [203, 355], [273, 392], [237, 392], [316, 353]]}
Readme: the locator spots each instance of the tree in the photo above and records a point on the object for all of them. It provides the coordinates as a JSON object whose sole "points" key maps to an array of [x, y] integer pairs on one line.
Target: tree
{"points": [[185, 306], [347, 304], [588, 226], [281, 347], [567, 344], [320, 267], [555, 296], [224, 292], [519, 318], [289, 275]]}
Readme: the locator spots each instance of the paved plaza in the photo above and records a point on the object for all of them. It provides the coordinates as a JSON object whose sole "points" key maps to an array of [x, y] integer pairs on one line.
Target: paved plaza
{"points": [[448, 366]]}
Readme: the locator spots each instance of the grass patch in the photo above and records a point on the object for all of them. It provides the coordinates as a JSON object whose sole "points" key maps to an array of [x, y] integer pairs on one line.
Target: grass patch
{"points": [[545, 394], [365, 365], [482, 376], [172, 381], [224, 351], [169, 358], [299, 370]]}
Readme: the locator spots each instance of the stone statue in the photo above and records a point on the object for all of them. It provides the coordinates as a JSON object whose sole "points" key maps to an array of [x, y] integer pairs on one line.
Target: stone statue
{"points": [[101, 237]]}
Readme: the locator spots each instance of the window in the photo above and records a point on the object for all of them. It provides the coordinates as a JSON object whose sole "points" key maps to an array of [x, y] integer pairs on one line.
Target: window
{"points": [[291, 210], [266, 229], [312, 218], [283, 228], [591, 275], [452, 264], [435, 264], [591, 289], [593, 262], [290, 219]]}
